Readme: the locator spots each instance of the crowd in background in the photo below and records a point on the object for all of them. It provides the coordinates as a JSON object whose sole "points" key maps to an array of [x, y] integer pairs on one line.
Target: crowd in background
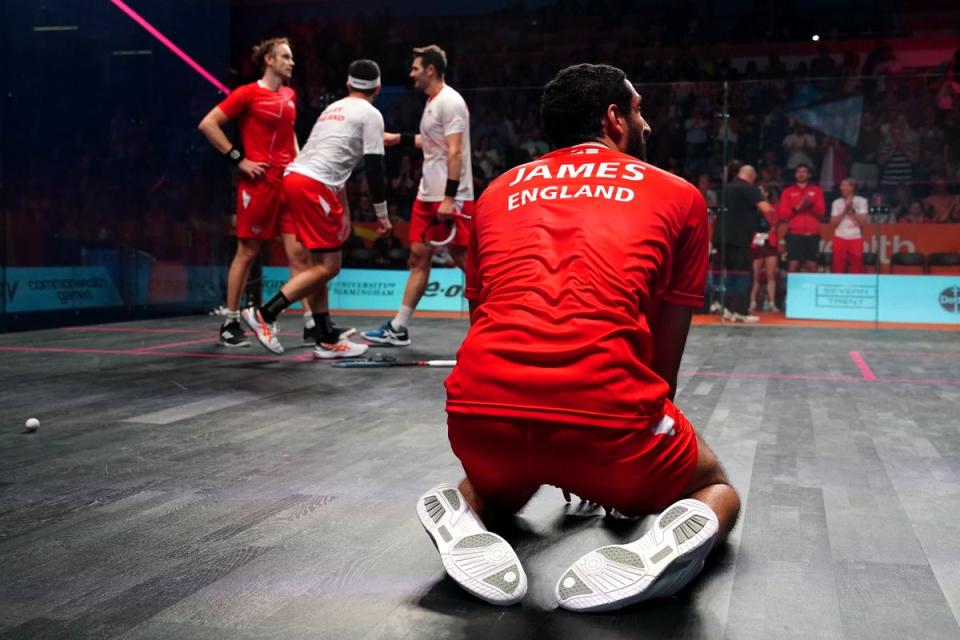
{"points": [[704, 110], [705, 105]]}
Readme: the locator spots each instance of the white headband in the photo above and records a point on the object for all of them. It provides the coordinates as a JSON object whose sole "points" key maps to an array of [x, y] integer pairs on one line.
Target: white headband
{"points": [[357, 83]]}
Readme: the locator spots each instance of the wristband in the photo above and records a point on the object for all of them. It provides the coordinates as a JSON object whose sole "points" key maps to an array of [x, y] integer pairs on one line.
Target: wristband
{"points": [[381, 209], [452, 187], [408, 139], [234, 155]]}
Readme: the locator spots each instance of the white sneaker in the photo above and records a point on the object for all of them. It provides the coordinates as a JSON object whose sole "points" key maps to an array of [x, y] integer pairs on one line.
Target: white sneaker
{"points": [[343, 348], [481, 562], [266, 332], [732, 316], [753, 307], [659, 564]]}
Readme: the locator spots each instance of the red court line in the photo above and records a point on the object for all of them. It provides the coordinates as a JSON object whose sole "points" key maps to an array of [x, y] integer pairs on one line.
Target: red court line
{"points": [[142, 353], [147, 331], [932, 354], [219, 356], [769, 376], [171, 345], [133, 330], [922, 381], [862, 365], [136, 17]]}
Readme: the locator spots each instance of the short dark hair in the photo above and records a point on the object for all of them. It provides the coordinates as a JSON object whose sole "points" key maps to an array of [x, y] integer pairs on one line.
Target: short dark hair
{"points": [[266, 47], [364, 70], [575, 102], [432, 55], [804, 165]]}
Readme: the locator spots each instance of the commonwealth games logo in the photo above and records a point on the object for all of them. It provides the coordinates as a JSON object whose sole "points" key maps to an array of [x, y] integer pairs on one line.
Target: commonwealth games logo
{"points": [[950, 299]]}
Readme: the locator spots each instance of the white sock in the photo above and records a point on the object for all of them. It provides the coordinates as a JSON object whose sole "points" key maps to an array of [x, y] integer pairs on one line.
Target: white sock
{"points": [[308, 321], [233, 314], [403, 317]]}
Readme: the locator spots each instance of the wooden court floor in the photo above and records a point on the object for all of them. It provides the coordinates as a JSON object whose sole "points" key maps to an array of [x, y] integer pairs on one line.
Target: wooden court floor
{"points": [[178, 490]]}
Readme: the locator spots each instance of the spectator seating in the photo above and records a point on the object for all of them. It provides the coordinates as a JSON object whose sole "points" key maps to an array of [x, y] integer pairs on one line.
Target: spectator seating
{"points": [[940, 264], [907, 263]]}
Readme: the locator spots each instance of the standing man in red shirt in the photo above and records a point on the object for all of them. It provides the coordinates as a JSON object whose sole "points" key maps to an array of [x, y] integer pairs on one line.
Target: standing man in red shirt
{"points": [[266, 112], [800, 210], [583, 272]]}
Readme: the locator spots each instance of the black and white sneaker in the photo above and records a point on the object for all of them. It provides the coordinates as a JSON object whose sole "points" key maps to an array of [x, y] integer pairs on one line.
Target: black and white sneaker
{"points": [[231, 335]]}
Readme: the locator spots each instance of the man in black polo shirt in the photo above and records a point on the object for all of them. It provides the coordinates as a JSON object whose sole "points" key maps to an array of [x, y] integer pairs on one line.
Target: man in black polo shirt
{"points": [[734, 231]]}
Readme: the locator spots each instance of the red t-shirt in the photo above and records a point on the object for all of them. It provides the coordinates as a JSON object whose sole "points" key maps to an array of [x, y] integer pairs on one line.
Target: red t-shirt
{"points": [[807, 219], [570, 258], [266, 119]]}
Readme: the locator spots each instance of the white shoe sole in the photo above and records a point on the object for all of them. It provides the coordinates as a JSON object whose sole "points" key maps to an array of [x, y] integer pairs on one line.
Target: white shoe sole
{"points": [[346, 333], [249, 316], [481, 562], [659, 564], [356, 350], [245, 343]]}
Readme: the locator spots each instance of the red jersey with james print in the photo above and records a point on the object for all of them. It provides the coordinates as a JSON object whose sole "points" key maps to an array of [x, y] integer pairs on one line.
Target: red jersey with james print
{"points": [[570, 259]]}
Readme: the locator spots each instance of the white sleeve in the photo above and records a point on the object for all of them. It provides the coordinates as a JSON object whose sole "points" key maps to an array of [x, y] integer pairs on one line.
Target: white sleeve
{"points": [[860, 205], [454, 117], [373, 133], [837, 207]]}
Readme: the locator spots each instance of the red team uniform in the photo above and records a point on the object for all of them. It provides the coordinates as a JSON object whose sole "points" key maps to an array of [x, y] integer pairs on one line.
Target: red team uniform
{"points": [[266, 119], [569, 260]]}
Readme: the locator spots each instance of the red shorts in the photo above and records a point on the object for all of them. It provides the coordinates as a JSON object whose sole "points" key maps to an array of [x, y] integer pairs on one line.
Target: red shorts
{"points": [[259, 205], [285, 221], [763, 251], [316, 211], [425, 213], [636, 471]]}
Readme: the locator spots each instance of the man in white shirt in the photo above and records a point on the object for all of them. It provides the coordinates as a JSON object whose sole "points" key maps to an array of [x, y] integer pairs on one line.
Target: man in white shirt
{"points": [[848, 216], [348, 131], [446, 187], [800, 146]]}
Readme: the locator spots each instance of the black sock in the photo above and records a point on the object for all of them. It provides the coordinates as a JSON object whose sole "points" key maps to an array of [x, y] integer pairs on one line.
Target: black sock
{"points": [[324, 322], [274, 307], [327, 334]]}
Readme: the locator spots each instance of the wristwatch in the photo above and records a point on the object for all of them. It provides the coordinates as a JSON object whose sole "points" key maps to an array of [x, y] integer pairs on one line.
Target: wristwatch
{"points": [[235, 155]]}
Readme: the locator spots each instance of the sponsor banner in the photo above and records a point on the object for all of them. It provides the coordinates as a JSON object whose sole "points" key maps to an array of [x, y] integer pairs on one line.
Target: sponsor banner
{"points": [[273, 279], [917, 299], [887, 239], [882, 239], [53, 288], [380, 289]]}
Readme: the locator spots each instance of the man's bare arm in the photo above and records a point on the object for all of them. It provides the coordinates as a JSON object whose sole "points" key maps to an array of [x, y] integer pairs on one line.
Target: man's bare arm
{"points": [[669, 330]]}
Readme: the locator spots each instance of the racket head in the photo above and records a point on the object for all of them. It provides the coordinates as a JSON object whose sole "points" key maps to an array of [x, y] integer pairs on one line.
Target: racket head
{"points": [[444, 229], [440, 233]]}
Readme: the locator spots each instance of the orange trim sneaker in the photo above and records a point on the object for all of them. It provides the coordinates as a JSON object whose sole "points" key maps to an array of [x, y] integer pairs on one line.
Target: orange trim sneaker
{"points": [[659, 564], [343, 348], [266, 332]]}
